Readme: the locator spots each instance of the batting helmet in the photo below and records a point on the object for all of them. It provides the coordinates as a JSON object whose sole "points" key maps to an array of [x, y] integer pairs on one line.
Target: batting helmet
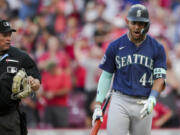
{"points": [[139, 13]]}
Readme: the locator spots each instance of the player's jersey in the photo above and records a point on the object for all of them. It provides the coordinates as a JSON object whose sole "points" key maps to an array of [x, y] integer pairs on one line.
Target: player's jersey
{"points": [[135, 67]]}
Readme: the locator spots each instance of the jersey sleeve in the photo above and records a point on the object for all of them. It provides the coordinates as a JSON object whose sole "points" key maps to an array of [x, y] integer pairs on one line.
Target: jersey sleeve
{"points": [[160, 64], [31, 68], [108, 60]]}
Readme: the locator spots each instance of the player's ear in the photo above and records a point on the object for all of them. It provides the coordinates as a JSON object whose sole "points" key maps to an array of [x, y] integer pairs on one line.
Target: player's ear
{"points": [[126, 20]]}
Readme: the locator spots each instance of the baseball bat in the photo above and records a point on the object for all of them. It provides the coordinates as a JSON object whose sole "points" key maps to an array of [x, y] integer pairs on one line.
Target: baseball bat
{"points": [[97, 124]]}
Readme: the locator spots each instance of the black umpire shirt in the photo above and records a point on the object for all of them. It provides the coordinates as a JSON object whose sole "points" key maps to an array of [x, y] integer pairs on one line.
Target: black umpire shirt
{"points": [[11, 61]]}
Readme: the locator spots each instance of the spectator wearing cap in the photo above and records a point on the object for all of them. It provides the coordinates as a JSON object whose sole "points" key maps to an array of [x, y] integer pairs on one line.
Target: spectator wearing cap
{"points": [[56, 85]]}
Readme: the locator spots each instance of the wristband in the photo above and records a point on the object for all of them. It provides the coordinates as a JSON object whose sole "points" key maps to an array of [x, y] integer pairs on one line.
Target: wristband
{"points": [[155, 93], [97, 106]]}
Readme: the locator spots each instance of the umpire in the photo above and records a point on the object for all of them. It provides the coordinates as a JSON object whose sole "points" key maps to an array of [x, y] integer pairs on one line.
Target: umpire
{"points": [[12, 121]]}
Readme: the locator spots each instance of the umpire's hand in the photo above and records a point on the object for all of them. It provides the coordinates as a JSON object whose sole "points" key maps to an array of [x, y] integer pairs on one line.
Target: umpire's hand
{"points": [[35, 83]]}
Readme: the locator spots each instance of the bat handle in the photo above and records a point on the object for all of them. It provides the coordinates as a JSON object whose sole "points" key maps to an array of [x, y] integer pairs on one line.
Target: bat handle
{"points": [[97, 124], [96, 127]]}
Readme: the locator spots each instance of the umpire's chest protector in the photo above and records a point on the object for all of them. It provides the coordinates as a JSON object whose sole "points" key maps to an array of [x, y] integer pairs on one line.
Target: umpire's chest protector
{"points": [[10, 62]]}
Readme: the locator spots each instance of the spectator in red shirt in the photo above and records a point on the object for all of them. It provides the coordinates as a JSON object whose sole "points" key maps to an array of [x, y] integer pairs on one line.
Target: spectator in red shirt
{"points": [[161, 115], [89, 57], [54, 53], [56, 87]]}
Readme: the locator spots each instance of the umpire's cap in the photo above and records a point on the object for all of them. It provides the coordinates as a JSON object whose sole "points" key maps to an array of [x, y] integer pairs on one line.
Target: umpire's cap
{"points": [[5, 27], [138, 13]]}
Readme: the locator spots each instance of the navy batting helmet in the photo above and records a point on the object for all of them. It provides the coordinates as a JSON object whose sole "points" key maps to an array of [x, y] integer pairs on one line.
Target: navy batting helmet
{"points": [[139, 13]]}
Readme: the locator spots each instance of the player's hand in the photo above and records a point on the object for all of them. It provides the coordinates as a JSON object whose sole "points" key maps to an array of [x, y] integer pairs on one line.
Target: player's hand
{"points": [[97, 114], [148, 106]]}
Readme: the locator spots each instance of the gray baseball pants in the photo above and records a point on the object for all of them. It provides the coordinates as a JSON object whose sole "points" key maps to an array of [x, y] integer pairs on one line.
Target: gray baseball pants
{"points": [[124, 116]]}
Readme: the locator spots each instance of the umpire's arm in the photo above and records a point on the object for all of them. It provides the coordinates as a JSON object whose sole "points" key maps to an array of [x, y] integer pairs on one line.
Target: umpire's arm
{"points": [[32, 72]]}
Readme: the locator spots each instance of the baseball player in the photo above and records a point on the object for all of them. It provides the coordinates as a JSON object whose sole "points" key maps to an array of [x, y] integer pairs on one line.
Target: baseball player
{"points": [[138, 63]]}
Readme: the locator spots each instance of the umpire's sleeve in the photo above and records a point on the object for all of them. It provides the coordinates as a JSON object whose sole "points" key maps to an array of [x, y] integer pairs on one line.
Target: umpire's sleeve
{"points": [[31, 68]]}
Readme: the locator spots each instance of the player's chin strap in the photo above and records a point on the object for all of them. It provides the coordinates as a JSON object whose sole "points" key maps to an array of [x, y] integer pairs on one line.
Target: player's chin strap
{"points": [[146, 28]]}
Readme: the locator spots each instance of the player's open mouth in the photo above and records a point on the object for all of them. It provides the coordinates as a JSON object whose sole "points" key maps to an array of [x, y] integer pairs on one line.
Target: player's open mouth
{"points": [[137, 33]]}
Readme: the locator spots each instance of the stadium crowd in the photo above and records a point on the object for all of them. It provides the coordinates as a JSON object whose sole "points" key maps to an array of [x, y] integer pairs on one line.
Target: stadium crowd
{"points": [[67, 39]]}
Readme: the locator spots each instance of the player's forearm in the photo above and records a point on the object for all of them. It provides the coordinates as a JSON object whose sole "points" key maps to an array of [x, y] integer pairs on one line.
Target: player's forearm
{"points": [[103, 86], [159, 84]]}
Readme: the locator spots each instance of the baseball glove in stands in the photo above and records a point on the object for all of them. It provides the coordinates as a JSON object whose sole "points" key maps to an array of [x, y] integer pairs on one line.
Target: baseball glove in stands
{"points": [[21, 87]]}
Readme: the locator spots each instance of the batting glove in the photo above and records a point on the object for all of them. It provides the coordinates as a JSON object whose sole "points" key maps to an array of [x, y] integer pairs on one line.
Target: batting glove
{"points": [[148, 106], [97, 114]]}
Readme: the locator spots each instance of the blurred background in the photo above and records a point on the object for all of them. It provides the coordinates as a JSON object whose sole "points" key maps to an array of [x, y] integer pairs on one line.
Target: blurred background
{"points": [[67, 39]]}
